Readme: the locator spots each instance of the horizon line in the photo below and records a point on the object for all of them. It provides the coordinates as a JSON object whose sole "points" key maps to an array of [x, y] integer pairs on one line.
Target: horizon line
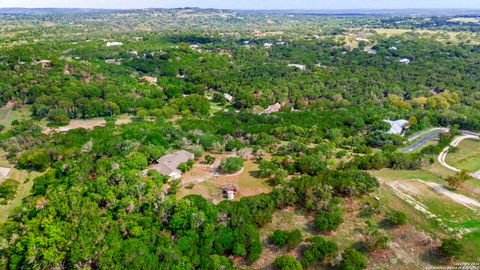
{"points": [[242, 9]]}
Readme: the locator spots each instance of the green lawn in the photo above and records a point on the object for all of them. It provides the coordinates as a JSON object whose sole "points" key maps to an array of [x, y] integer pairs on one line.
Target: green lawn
{"points": [[26, 183], [466, 156], [7, 115]]}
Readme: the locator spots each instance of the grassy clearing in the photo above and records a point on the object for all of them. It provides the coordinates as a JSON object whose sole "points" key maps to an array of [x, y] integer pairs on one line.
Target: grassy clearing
{"points": [[466, 157], [448, 213], [465, 20], [25, 179], [217, 107], [7, 115], [471, 243], [436, 173], [442, 36], [26, 183], [406, 248], [247, 182]]}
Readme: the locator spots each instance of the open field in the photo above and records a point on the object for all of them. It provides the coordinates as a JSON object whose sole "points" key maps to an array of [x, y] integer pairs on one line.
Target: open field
{"points": [[408, 248], [247, 182], [7, 115], [89, 123], [26, 182], [465, 20], [466, 156], [443, 36], [431, 207]]}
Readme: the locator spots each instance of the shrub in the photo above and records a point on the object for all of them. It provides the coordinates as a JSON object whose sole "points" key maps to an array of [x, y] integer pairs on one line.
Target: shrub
{"points": [[328, 220], [233, 144], [341, 154], [279, 238], [38, 160], [287, 262], [451, 248], [375, 240], [136, 161], [294, 239], [231, 165], [58, 117], [186, 166], [458, 179], [318, 251], [209, 159], [353, 260], [8, 189], [282, 238], [267, 168], [397, 218], [216, 262]]}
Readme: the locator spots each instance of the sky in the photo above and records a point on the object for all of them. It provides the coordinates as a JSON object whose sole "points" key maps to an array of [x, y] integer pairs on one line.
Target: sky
{"points": [[246, 4]]}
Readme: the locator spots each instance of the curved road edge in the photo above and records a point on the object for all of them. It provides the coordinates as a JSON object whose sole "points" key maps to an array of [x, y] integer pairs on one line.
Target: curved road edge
{"points": [[454, 143]]}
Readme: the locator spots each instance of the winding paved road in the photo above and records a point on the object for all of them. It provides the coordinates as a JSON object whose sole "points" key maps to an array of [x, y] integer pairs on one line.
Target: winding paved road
{"points": [[435, 134]]}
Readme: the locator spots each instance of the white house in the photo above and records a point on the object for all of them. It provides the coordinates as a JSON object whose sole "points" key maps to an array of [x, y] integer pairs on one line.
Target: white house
{"points": [[273, 108], [114, 43], [301, 67], [267, 45], [397, 126], [228, 97], [404, 61], [168, 164]]}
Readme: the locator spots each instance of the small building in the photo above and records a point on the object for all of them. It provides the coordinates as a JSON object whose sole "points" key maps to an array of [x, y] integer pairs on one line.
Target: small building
{"points": [[46, 64], [404, 61], [230, 195], [112, 61], [228, 97], [273, 108], [168, 164], [149, 79], [114, 43], [4, 172], [267, 45], [393, 48], [230, 190], [397, 126], [301, 67]]}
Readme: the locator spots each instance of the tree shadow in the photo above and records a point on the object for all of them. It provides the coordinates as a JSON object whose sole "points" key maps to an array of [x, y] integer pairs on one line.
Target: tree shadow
{"points": [[254, 174], [432, 256], [360, 246]]}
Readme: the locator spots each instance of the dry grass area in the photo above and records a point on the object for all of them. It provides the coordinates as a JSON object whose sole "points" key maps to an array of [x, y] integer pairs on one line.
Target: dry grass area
{"points": [[247, 182], [287, 219], [465, 20], [443, 36], [409, 248], [89, 123], [433, 210]]}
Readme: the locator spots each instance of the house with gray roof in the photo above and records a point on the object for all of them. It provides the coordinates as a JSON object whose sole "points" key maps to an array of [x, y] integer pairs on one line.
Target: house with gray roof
{"points": [[168, 164]]}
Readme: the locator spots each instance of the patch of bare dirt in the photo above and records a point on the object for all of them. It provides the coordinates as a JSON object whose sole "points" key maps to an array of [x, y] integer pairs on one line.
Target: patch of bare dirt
{"points": [[458, 198]]}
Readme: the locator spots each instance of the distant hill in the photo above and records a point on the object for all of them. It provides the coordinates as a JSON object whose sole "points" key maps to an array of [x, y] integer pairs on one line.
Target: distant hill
{"points": [[327, 12]]}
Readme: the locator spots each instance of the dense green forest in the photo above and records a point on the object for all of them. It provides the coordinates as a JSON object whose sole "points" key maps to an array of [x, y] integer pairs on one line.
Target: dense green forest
{"points": [[203, 81]]}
